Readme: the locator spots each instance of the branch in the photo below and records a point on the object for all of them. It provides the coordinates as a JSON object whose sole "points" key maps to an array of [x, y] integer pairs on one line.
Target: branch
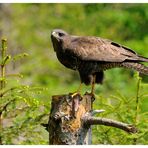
{"points": [[4, 108], [6, 91], [88, 120]]}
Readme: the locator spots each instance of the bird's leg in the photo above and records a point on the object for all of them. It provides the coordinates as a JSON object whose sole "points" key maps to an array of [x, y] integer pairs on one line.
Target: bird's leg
{"points": [[93, 85]]}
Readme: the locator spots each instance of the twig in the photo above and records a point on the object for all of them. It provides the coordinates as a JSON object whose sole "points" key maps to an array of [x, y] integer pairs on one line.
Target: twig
{"points": [[94, 112], [2, 76], [6, 91], [88, 120], [137, 99], [4, 108]]}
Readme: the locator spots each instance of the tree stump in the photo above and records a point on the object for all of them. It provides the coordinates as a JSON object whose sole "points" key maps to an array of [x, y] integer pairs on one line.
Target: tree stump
{"points": [[65, 122], [71, 117]]}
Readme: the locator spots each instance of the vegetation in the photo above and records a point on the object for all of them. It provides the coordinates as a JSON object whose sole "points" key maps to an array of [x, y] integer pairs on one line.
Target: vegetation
{"points": [[26, 100]]}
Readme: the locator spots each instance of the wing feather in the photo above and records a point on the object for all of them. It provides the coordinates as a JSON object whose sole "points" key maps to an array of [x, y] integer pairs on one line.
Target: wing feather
{"points": [[98, 49]]}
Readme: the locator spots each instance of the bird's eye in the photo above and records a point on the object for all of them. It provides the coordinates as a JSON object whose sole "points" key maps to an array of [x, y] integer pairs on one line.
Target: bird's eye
{"points": [[61, 34]]}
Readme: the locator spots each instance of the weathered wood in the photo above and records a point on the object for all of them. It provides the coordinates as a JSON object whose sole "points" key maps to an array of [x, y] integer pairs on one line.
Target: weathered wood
{"points": [[89, 120], [71, 117], [65, 124]]}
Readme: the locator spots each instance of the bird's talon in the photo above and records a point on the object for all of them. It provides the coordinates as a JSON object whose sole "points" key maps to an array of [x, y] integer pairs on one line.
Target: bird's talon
{"points": [[74, 94]]}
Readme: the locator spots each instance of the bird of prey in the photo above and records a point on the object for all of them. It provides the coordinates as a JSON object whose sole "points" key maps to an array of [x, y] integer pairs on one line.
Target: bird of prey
{"points": [[90, 56]]}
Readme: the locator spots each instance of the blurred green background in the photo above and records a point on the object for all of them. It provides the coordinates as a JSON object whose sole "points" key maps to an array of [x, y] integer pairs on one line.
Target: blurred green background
{"points": [[27, 28]]}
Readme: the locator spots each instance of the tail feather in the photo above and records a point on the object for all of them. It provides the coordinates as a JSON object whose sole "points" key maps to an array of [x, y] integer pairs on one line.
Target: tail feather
{"points": [[136, 66], [143, 59]]}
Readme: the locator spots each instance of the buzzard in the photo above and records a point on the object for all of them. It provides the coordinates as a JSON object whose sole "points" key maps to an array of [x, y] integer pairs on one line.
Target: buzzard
{"points": [[90, 56]]}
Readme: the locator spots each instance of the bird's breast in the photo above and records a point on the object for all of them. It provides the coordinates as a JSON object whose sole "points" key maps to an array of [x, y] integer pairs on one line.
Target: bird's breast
{"points": [[67, 60]]}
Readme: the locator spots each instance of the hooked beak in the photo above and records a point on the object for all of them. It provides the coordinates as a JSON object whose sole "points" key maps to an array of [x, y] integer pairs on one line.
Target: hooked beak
{"points": [[54, 34]]}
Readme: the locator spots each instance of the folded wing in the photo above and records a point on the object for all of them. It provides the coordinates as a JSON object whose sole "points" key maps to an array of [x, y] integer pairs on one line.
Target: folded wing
{"points": [[97, 49]]}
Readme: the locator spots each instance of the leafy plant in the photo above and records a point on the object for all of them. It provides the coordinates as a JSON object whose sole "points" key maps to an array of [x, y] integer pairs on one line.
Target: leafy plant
{"points": [[20, 114], [126, 109]]}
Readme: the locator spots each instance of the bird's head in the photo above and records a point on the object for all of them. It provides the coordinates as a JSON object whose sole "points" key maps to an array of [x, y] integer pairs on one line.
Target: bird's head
{"points": [[57, 35]]}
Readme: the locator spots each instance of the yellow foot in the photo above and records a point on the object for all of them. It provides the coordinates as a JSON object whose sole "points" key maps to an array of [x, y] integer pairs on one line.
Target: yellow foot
{"points": [[74, 94]]}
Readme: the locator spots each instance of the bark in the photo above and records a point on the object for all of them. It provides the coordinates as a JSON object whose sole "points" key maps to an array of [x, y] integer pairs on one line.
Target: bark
{"points": [[65, 121], [71, 118], [88, 120]]}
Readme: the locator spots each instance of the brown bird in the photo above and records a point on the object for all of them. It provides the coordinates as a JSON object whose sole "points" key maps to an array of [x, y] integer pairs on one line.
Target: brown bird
{"points": [[90, 56]]}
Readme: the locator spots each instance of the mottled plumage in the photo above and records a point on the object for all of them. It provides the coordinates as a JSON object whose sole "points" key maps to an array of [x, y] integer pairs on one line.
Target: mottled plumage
{"points": [[92, 55]]}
